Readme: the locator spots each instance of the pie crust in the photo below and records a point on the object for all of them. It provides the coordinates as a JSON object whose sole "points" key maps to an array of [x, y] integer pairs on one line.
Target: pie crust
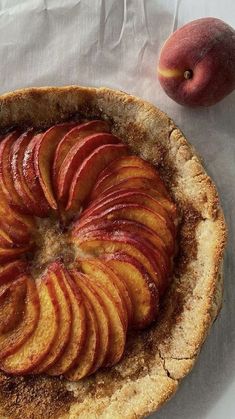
{"points": [[156, 359]]}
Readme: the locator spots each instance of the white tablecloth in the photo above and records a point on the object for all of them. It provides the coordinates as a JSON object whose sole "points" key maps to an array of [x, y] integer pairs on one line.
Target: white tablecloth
{"points": [[116, 43]]}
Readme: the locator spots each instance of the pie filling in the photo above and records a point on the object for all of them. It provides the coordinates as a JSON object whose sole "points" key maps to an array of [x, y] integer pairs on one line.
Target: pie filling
{"points": [[87, 241]]}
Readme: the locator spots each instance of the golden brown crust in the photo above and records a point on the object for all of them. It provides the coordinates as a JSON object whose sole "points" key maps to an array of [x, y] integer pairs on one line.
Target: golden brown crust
{"points": [[156, 360]]}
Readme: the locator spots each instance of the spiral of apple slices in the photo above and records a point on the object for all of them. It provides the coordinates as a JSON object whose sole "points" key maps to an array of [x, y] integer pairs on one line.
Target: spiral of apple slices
{"points": [[121, 223]]}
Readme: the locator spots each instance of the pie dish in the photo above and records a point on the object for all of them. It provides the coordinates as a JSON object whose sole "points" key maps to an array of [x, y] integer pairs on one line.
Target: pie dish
{"points": [[156, 358]]}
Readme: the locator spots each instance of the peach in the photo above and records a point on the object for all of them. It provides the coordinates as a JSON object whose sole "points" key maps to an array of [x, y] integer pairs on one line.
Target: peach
{"points": [[196, 65], [38, 345], [12, 340], [86, 175], [74, 136]]}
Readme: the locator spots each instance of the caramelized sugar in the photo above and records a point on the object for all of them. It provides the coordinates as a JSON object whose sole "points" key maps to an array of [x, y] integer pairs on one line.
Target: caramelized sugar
{"points": [[51, 243]]}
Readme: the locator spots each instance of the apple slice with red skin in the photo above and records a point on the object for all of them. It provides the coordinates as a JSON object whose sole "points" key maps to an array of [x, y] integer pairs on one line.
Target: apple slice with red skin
{"points": [[7, 255], [99, 242], [145, 185], [78, 329], [14, 339], [38, 345], [30, 177], [18, 226], [131, 161], [105, 276], [12, 303], [88, 356], [141, 288], [65, 322], [130, 197], [24, 191], [7, 183], [102, 319], [15, 229], [86, 175], [20, 221], [11, 271], [138, 230], [44, 157], [116, 176], [162, 263], [75, 157], [5, 240], [139, 213], [74, 136], [116, 192], [117, 330]]}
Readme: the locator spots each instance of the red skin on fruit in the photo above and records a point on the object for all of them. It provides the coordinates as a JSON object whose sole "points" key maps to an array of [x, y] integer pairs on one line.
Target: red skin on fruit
{"points": [[75, 135], [17, 156], [30, 175], [206, 48], [75, 157], [104, 182], [11, 271], [139, 231], [6, 180], [126, 197], [86, 175], [139, 213], [142, 290], [102, 242], [44, 157], [140, 184], [11, 341]]}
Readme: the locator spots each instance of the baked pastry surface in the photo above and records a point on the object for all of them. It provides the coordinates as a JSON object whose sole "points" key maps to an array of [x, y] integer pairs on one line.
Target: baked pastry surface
{"points": [[156, 359]]}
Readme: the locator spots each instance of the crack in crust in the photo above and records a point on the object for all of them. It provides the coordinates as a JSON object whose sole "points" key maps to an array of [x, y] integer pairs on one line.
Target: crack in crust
{"points": [[157, 359]]}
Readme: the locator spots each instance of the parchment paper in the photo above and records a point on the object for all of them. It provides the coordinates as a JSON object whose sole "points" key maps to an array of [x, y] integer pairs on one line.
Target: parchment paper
{"points": [[116, 43]]}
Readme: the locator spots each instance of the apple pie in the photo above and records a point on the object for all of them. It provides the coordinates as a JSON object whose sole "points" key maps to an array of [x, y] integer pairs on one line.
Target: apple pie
{"points": [[111, 246]]}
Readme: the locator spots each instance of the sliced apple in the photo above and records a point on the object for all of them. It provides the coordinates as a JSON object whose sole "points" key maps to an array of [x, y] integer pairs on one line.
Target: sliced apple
{"points": [[37, 346], [21, 221], [142, 290], [117, 330], [87, 358], [24, 191], [44, 157], [102, 319], [12, 304], [117, 176], [30, 177], [115, 192], [5, 240], [14, 339], [75, 156], [131, 161], [137, 229], [102, 275], [87, 173], [129, 197], [7, 183], [7, 255], [99, 242], [78, 331], [143, 184], [74, 136], [11, 271], [65, 321], [15, 229], [141, 214]]}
